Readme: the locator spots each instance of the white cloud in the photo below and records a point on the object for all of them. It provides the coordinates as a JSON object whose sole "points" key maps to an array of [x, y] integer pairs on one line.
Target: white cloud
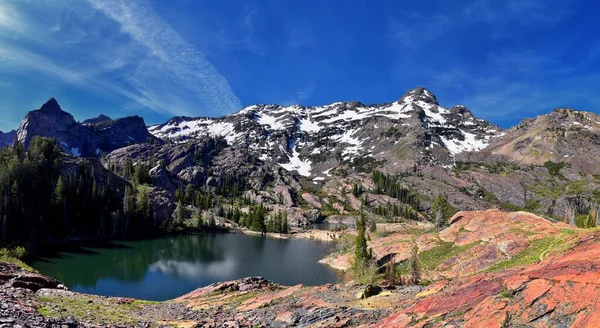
{"points": [[170, 53], [121, 48]]}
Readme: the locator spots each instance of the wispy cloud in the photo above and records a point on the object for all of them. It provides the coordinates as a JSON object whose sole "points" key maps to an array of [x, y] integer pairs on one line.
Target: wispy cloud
{"points": [[114, 48], [169, 53]]}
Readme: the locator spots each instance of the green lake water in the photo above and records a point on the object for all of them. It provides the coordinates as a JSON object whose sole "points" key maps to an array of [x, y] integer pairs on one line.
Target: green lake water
{"points": [[168, 267]]}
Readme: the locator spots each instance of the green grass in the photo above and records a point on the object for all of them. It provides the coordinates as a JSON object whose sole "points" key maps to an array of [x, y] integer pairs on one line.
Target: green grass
{"points": [[568, 231], [16, 261], [7, 255], [523, 231], [537, 250], [506, 293], [555, 188], [91, 309], [432, 258]]}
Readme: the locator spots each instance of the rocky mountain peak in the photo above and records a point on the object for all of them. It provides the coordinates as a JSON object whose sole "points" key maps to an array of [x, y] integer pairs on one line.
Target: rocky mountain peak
{"points": [[7, 138], [51, 106], [98, 119], [420, 94], [461, 110], [91, 138]]}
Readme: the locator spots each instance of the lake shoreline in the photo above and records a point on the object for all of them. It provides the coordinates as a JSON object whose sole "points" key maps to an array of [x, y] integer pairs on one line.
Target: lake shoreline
{"points": [[184, 262]]}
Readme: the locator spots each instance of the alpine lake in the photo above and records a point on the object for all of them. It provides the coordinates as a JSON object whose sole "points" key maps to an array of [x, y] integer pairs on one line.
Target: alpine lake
{"points": [[164, 268]]}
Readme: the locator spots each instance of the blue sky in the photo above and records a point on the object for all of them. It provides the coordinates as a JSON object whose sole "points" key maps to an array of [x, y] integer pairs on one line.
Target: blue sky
{"points": [[505, 60]]}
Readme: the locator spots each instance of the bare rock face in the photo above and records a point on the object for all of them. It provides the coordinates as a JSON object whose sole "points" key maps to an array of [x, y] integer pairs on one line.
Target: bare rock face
{"points": [[97, 120], [51, 121], [90, 139], [7, 138], [310, 157], [557, 291], [162, 204], [14, 276], [312, 140], [564, 135]]}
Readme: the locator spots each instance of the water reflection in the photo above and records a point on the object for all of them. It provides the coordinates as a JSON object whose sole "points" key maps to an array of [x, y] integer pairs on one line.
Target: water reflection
{"points": [[164, 268]]}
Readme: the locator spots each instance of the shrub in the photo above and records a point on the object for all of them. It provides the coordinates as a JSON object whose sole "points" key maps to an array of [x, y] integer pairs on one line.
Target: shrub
{"points": [[554, 168], [19, 252]]}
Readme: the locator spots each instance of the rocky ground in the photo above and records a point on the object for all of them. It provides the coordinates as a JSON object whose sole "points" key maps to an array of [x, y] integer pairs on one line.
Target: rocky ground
{"points": [[487, 269]]}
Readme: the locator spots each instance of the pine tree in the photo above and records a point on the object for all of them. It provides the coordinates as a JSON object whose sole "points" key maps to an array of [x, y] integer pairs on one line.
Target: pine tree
{"points": [[145, 208], [413, 274], [372, 226], [361, 253], [258, 219], [284, 224], [129, 209], [199, 221], [189, 193], [212, 223], [179, 214]]}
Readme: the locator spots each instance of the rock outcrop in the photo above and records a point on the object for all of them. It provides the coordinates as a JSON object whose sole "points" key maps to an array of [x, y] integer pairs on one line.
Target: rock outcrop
{"points": [[559, 291], [7, 138], [546, 277], [97, 120], [564, 135], [89, 139], [14, 276], [312, 140]]}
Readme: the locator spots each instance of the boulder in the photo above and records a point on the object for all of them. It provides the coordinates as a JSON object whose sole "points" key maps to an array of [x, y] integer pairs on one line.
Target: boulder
{"points": [[12, 275], [368, 291]]}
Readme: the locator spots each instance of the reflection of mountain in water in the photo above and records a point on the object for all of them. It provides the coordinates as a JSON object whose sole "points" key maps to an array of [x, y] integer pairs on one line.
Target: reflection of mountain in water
{"points": [[164, 268], [194, 269], [131, 262]]}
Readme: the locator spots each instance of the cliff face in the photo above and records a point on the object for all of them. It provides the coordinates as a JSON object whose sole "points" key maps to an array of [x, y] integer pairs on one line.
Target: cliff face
{"points": [[81, 139], [563, 135], [7, 138], [51, 121], [310, 140]]}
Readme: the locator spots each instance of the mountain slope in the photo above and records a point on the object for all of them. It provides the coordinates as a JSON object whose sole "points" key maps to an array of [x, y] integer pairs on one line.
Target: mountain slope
{"points": [[313, 140], [81, 139], [320, 161], [564, 135], [532, 273], [7, 138]]}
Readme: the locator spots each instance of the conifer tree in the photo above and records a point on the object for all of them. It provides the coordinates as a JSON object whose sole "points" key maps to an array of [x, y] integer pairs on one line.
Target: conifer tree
{"points": [[179, 214], [361, 253]]}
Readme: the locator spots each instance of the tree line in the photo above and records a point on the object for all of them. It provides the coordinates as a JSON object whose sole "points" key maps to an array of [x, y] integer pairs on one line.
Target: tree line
{"points": [[45, 195]]}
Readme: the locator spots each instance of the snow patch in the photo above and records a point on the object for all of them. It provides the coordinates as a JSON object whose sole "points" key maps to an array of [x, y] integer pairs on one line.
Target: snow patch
{"points": [[297, 164], [471, 143], [270, 121], [306, 125]]}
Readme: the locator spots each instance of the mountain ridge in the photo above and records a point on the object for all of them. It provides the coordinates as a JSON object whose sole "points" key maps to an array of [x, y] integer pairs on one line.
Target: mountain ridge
{"points": [[442, 132], [306, 159], [81, 139]]}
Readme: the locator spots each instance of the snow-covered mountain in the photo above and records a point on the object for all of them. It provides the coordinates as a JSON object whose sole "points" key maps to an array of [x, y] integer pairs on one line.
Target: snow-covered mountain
{"points": [[312, 140]]}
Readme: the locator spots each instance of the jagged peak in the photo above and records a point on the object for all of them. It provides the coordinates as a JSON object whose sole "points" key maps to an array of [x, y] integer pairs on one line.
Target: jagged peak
{"points": [[98, 119], [51, 106], [420, 93], [462, 110]]}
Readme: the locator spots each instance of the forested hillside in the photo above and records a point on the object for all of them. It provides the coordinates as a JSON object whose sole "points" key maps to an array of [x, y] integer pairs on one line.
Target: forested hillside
{"points": [[47, 194]]}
